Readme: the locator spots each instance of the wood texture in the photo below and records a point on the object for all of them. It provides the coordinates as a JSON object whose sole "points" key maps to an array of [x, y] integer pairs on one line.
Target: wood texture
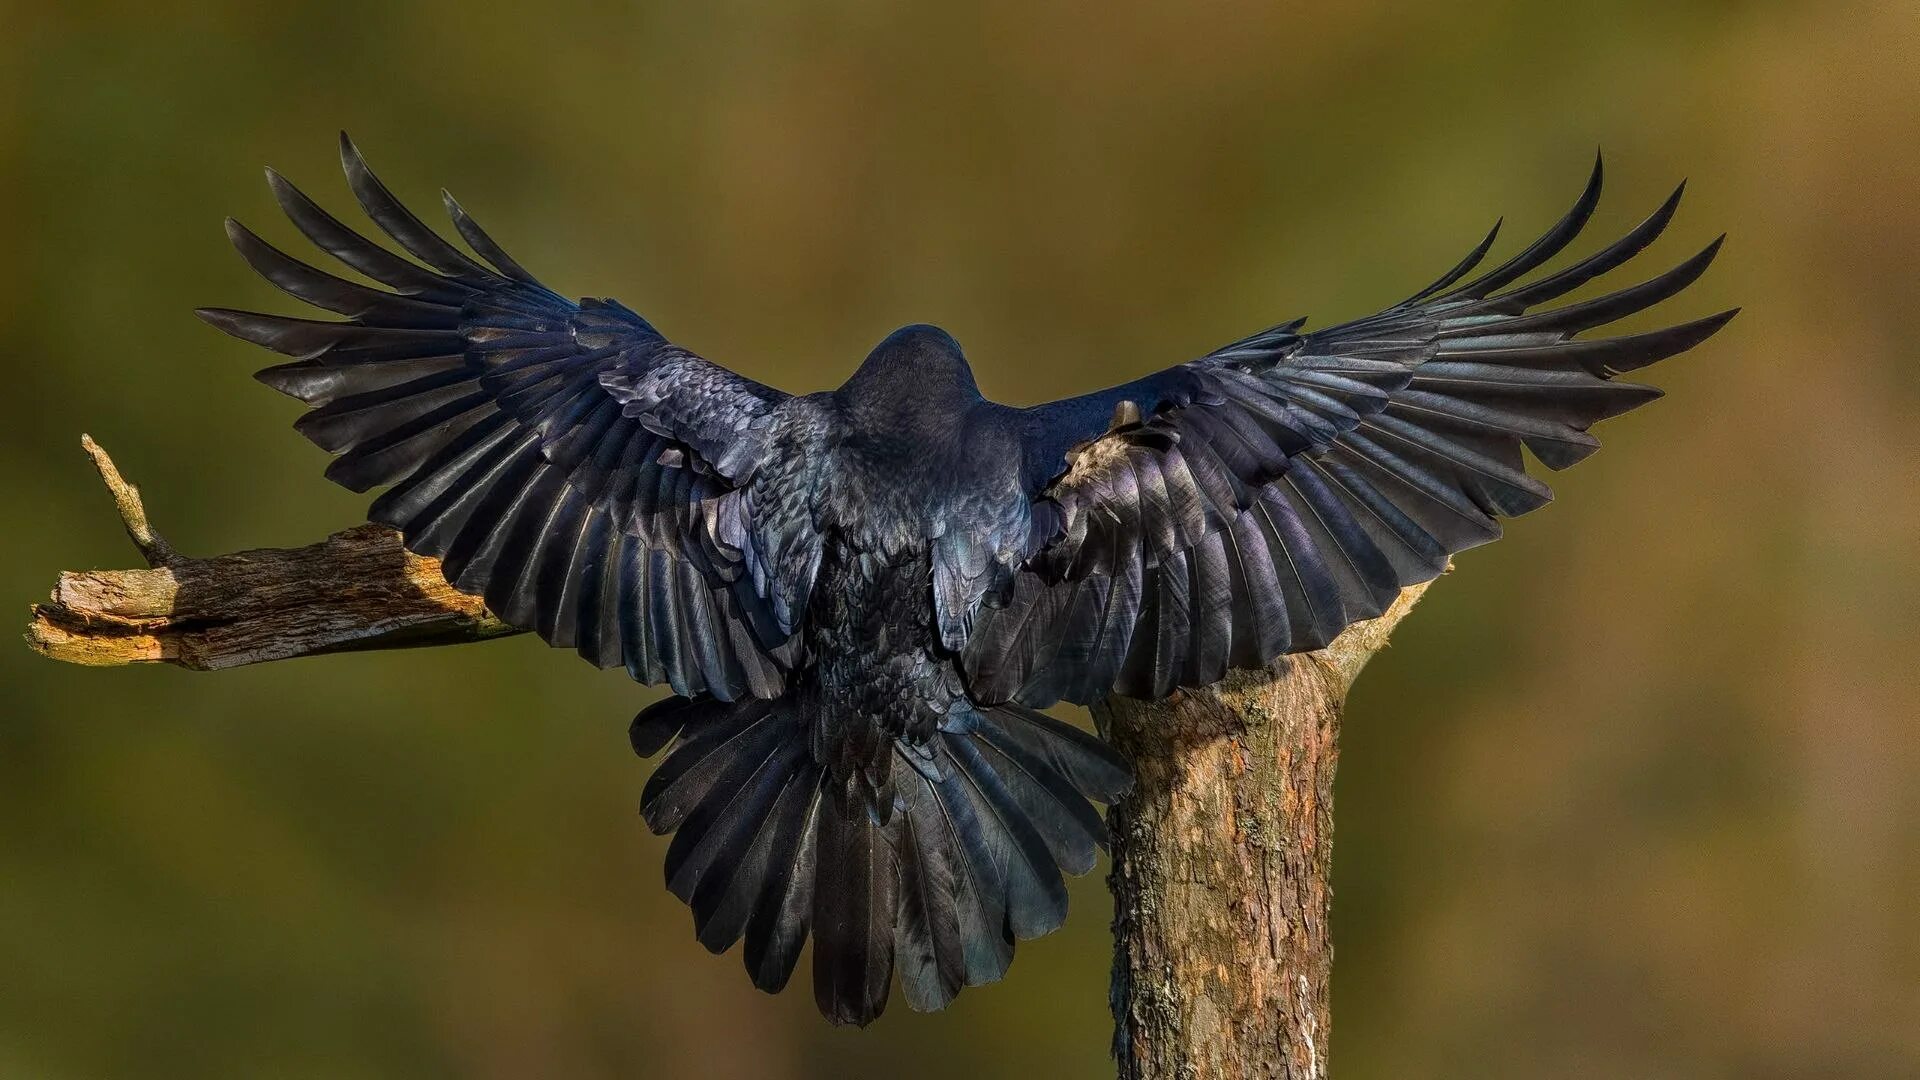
{"points": [[1222, 959], [357, 589]]}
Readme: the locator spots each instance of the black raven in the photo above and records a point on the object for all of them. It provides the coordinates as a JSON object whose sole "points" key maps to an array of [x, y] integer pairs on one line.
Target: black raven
{"points": [[860, 597]]}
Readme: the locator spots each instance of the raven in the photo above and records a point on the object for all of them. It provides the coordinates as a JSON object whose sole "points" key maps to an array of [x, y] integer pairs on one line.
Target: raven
{"points": [[862, 597]]}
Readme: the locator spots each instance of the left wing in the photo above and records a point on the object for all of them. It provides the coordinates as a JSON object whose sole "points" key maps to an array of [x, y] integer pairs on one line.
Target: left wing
{"points": [[592, 480], [1261, 499]]}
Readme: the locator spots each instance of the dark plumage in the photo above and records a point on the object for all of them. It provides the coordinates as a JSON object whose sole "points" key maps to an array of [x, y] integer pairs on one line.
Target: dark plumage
{"points": [[859, 597]]}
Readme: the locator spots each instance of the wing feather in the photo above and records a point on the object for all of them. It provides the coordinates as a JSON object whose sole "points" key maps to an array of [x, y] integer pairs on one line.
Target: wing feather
{"points": [[1262, 498], [561, 458]]}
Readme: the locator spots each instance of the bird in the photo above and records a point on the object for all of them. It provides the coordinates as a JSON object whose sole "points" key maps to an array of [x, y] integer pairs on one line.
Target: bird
{"points": [[863, 598]]}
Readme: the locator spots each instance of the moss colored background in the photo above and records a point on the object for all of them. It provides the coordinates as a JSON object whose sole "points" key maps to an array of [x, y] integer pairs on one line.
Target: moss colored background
{"points": [[1635, 794]]}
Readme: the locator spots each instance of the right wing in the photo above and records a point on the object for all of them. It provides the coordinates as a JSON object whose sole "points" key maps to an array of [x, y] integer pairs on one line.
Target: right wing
{"points": [[564, 460], [1261, 499]]}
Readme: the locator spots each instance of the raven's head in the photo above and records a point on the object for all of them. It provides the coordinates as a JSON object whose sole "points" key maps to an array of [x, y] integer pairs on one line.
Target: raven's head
{"points": [[915, 368]]}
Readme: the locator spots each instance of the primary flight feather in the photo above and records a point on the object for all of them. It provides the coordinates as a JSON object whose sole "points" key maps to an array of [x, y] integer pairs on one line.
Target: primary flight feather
{"points": [[860, 597]]}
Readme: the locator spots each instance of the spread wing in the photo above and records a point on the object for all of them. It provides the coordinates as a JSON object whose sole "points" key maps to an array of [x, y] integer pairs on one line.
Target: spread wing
{"points": [[1259, 500], [564, 460]]}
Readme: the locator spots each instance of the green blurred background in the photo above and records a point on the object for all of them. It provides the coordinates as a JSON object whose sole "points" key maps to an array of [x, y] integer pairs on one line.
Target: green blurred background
{"points": [[1636, 793]]}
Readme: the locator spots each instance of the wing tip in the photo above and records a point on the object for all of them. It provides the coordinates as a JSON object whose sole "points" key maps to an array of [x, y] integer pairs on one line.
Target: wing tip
{"points": [[1670, 342], [229, 321], [293, 202]]}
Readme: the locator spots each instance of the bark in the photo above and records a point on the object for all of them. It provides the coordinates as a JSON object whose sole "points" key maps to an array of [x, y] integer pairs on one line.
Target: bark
{"points": [[1222, 959], [1220, 856], [357, 589]]}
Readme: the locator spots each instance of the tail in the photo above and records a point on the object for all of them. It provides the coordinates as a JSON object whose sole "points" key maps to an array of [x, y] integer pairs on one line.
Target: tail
{"points": [[988, 814]]}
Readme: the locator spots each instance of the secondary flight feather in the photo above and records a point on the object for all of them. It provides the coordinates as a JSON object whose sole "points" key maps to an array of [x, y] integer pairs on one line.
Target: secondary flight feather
{"points": [[861, 597]]}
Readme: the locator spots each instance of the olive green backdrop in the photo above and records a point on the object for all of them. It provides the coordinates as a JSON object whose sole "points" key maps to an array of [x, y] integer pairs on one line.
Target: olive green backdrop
{"points": [[1636, 793]]}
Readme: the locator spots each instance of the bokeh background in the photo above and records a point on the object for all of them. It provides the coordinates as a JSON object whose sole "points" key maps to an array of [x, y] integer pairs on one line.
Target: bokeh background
{"points": [[1636, 792]]}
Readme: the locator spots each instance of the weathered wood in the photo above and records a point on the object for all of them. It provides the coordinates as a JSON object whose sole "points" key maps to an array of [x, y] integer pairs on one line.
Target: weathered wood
{"points": [[1222, 959], [1220, 856], [357, 589]]}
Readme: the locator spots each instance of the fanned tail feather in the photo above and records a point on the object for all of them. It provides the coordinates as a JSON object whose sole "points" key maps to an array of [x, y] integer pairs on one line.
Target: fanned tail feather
{"points": [[969, 862]]}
